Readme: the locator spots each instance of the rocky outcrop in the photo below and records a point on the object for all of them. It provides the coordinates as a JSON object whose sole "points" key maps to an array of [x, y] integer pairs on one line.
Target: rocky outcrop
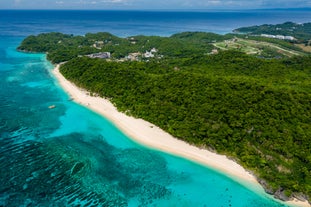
{"points": [[280, 193]]}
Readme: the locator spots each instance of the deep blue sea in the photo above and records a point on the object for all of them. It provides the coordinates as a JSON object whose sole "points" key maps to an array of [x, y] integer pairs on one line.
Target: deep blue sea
{"points": [[70, 156]]}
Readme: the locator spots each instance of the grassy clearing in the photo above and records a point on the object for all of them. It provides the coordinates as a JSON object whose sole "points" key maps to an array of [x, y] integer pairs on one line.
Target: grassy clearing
{"points": [[253, 47], [304, 47]]}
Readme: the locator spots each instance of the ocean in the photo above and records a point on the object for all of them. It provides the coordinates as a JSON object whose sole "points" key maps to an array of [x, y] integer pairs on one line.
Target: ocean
{"points": [[71, 156]]}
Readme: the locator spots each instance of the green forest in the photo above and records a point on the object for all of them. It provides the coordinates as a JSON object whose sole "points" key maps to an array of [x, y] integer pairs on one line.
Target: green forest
{"points": [[63, 47], [302, 32], [254, 109]]}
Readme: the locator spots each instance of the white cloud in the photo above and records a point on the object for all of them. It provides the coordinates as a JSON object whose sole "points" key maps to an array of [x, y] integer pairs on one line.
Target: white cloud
{"points": [[114, 1], [93, 2], [207, 4], [154, 4], [214, 2], [286, 3], [118, 1], [16, 2]]}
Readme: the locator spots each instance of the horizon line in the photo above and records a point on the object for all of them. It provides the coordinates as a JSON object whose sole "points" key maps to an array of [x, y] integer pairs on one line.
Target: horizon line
{"points": [[159, 10]]}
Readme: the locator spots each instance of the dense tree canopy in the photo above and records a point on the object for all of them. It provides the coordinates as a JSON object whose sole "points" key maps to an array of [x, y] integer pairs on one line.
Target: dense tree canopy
{"points": [[257, 111], [62, 47], [302, 32], [254, 109]]}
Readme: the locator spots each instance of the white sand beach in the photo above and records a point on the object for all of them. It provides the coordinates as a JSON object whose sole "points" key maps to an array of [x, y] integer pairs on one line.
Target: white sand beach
{"points": [[151, 136]]}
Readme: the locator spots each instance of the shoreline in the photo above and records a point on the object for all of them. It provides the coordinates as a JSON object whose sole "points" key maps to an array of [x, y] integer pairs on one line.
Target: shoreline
{"points": [[151, 136]]}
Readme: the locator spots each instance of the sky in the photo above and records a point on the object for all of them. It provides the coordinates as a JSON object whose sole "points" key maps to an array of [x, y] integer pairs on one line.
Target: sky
{"points": [[152, 4]]}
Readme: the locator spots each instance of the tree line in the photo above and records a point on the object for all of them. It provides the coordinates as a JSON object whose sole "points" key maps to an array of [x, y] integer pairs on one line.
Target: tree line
{"points": [[254, 110]]}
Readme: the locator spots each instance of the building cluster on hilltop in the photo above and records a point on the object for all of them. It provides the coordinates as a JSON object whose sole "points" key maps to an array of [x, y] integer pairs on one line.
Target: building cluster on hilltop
{"points": [[136, 55], [102, 55], [281, 37]]}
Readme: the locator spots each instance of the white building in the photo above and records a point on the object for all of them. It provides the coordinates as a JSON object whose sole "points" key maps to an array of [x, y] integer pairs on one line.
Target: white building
{"points": [[281, 37], [102, 55]]}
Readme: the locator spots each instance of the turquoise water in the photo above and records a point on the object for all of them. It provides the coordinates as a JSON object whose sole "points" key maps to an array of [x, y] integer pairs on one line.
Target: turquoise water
{"points": [[70, 156]]}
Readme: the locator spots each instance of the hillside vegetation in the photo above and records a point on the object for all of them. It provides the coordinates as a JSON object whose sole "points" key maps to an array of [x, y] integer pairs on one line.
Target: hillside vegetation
{"points": [[63, 47], [301, 32], [253, 109]]}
